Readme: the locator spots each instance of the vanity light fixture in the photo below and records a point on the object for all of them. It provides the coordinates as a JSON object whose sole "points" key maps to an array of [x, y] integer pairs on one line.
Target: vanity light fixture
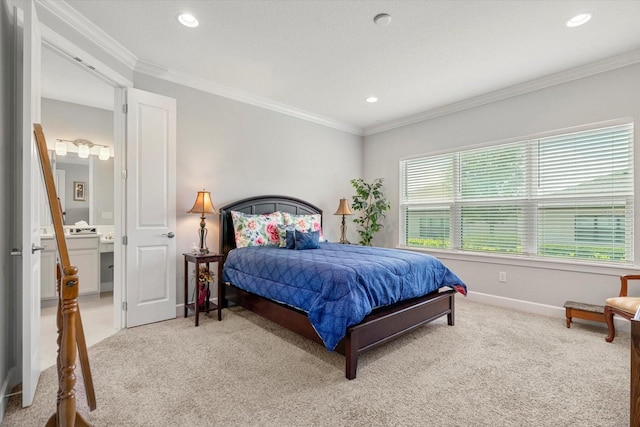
{"points": [[579, 19], [85, 148], [104, 153], [188, 20], [83, 151], [61, 148]]}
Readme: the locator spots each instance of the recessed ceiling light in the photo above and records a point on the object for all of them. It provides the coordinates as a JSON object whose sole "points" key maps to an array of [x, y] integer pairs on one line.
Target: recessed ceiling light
{"points": [[382, 19], [188, 20], [371, 99], [579, 19]]}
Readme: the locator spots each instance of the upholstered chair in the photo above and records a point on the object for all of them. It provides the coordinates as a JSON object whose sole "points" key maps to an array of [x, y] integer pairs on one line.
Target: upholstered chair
{"points": [[622, 305]]}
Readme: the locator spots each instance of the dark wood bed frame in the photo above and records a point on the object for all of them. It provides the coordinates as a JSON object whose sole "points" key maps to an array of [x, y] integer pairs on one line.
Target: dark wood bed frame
{"points": [[382, 325]]}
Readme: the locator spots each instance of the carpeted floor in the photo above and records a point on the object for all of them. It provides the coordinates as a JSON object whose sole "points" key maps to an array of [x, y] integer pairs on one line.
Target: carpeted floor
{"points": [[496, 367]]}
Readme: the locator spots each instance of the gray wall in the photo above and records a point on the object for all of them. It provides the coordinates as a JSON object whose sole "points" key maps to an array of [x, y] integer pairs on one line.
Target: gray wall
{"points": [[103, 196], [7, 183], [530, 285], [236, 150], [65, 120]]}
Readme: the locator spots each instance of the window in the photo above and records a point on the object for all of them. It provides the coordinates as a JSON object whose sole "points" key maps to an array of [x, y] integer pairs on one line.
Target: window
{"points": [[562, 196]]}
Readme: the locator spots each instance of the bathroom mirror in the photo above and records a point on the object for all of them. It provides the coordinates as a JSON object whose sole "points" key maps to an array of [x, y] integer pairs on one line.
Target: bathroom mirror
{"points": [[95, 204]]}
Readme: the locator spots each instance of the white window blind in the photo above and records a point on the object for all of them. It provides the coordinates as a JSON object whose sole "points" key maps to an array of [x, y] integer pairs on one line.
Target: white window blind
{"points": [[584, 195], [492, 194], [568, 196], [427, 194]]}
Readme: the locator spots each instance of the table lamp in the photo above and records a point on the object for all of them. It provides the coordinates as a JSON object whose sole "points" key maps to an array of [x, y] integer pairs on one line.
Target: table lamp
{"points": [[343, 209], [203, 206]]}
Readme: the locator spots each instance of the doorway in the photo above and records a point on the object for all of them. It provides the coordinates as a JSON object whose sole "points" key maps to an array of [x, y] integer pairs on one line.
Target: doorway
{"points": [[78, 110]]}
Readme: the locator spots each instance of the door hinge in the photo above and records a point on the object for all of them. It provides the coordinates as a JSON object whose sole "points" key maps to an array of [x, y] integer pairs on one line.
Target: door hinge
{"points": [[125, 108], [125, 240], [124, 174], [124, 306]]}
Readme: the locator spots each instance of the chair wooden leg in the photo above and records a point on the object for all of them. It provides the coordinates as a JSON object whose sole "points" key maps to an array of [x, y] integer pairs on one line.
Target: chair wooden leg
{"points": [[608, 316]]}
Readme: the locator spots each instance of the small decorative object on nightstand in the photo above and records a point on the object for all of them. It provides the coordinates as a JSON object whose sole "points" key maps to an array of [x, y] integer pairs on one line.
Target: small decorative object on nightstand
{"points": [[343, 209], [202, 274]]}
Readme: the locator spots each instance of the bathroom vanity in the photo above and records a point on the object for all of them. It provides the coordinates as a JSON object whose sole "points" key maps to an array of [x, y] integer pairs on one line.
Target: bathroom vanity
{"points": [[84, 252]]}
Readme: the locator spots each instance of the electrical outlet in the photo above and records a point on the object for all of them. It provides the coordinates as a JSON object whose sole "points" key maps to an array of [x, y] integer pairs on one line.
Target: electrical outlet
{"points": [[502, 277]]}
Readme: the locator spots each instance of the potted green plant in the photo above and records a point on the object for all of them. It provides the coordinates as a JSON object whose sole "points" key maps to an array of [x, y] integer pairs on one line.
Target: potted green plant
{"points": [[372, 203]]}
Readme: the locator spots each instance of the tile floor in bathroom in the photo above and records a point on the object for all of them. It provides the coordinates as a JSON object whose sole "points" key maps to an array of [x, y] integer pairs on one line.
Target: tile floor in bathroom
{"points": [[97, 321]]}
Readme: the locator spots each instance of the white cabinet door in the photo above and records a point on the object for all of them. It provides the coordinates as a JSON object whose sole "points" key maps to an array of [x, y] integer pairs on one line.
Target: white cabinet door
{"points": [[88, 265], [84, 254], [48, 278]]}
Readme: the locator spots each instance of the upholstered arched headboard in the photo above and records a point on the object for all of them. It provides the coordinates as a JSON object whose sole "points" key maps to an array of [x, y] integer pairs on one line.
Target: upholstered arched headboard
{"points": [[259, 205]]}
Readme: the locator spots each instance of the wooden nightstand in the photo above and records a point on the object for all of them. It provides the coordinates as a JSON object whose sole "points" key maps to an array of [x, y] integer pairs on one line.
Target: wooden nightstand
{"points": [[198, 259]]}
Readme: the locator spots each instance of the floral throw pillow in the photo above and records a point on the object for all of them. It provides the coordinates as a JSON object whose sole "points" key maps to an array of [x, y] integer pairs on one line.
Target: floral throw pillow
{"points": [[256, 230], [304, 223]]}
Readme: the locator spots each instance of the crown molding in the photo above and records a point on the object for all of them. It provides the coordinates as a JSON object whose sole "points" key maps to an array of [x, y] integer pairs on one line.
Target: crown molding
{"points": [[576, 73], [150, 68], [88, 29], [238, 95]]}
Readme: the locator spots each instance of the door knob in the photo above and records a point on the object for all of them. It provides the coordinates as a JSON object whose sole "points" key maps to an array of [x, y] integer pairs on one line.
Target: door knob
{"points": [[35, 248], [169, 234]]}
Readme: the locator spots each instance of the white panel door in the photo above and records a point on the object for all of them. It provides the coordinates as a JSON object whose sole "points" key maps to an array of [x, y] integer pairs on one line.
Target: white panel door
{"points": [[150, 208], [28, 73]]}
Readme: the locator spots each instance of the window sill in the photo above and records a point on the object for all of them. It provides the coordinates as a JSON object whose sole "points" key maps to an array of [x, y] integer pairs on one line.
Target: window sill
{"points": [[523, 261]]}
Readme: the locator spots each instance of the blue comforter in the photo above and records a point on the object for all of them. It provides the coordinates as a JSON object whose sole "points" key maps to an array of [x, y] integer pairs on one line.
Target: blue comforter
{"points": [[337, 285]]}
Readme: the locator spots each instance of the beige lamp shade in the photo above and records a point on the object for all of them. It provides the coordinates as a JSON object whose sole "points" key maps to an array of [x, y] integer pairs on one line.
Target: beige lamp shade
{"points": [[203, 204], [343, 208]]}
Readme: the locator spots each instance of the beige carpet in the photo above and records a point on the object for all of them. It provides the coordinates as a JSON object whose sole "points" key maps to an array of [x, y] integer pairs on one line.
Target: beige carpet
{"points": [[496, 367]]}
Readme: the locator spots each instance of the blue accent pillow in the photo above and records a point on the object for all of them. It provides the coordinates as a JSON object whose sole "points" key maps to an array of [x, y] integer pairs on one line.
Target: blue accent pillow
{"points": [[310, 240], [290, 239], [282, 231]]}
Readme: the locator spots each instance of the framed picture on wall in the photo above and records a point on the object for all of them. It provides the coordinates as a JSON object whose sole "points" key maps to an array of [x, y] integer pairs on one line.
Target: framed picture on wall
{"points": [[79, 191]]}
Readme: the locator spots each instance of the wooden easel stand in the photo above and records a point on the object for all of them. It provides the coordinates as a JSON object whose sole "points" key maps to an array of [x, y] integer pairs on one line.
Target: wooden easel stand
{"points": [[68, 320]]}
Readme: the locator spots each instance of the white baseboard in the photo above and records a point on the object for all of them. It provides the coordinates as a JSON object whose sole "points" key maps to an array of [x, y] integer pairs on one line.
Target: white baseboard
{"points": [[541, 309], [180, 307]]}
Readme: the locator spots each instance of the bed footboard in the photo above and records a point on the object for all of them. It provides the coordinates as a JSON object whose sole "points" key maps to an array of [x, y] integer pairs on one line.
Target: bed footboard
{"points": [[382, 325], [388, 323]]}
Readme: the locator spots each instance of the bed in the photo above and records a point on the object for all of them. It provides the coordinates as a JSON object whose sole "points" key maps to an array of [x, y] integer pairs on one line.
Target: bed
{"points": [[381, 320]]}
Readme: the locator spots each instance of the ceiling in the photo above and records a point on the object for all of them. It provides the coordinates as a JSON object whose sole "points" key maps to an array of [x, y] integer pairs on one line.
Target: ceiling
{"points": [[65, 81], [323, 58]]}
